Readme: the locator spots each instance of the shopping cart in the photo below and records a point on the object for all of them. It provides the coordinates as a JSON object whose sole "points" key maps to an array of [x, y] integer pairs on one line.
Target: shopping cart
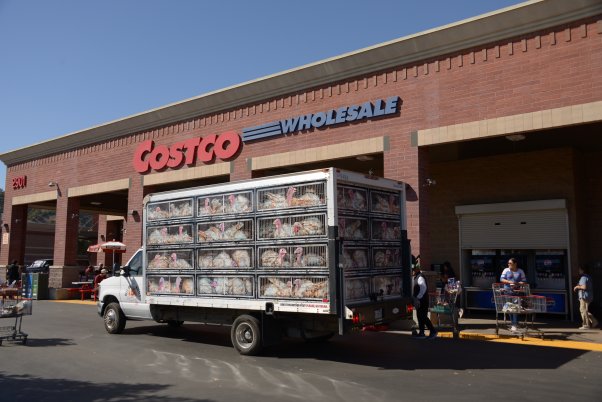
{"points": [[517, 299], [14, 308], [443, 303]]}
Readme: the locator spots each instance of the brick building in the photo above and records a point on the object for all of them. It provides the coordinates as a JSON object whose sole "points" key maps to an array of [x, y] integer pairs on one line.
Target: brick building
{"points": [[495, 132]]}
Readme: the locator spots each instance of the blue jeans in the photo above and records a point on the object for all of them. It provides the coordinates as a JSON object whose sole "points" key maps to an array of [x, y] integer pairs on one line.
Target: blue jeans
{"points": [[514, 319]]}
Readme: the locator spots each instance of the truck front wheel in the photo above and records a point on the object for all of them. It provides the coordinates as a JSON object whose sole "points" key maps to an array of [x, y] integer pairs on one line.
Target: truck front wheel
{"points": [[114, 319], [246, 335]]}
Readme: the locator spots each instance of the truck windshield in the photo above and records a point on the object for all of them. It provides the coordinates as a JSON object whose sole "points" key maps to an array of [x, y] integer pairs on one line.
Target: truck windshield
{"points": [[136, 263]]}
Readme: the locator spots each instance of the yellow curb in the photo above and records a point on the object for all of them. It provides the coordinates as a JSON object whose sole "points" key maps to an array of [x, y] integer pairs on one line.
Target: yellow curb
{"points": [[527, 341], [74, 301]]}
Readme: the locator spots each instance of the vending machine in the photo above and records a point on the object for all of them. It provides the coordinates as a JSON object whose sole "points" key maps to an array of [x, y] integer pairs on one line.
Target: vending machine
{"points": [[480, 273], [550, 269]]}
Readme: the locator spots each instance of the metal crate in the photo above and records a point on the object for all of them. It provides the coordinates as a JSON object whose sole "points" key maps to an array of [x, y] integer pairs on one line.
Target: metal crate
{"points": [[174, 234], [170, 285], [169, 259], [293, 287], [385, 203], [225, 231], [293, 256], [169, 210], [293, 226], [221, 285], [229, 203], [386, 257], [225, 258], [387, 285], [294, 196], [386, 230], [357, 289], [352, 198], [355, 258], [353, 228]]}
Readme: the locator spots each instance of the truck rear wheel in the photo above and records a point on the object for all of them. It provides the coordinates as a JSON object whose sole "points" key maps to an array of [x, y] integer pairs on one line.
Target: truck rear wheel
{"points": [[246, 335], [114, 319]]}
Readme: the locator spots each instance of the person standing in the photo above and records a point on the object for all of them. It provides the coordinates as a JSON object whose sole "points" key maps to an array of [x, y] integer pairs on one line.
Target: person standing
{"points": [[585, 292], [99, 278], [512, 276], [12, 274], [421, 303]]}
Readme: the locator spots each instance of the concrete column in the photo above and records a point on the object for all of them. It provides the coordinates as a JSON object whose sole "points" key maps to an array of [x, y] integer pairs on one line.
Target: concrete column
{"points": [[13, 238]]}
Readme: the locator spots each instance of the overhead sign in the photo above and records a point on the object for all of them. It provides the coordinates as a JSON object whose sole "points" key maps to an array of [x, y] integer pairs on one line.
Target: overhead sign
{"points": [[147, 156], [345, 114]]}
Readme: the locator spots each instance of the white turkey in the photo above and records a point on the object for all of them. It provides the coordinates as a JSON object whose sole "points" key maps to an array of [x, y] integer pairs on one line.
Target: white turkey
{"points": [[308, 260], [310, 198], [357, 201], [382, 258], [341, 199], [219, 285], [236, 286], [178, 263], [158, 236], [347, 261], [223, 260], [157, 213], [282, 230], [270, 258], [213, 233], [235, 232], [381, 204], [159, 261], [206, 260], [360, 258], [181, 237], [180, 209], [389, 232], [274, 201], [354, 230], [303, 288], [205, 286], [241, 258], [237, 204], [311, 226]]}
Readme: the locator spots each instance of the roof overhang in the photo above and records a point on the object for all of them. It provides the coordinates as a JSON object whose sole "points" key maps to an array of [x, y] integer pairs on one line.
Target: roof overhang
{"points": [[508, 22]]}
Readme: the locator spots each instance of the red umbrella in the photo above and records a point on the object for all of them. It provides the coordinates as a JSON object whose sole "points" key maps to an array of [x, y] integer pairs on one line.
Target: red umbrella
{"points": [[94, 248]]}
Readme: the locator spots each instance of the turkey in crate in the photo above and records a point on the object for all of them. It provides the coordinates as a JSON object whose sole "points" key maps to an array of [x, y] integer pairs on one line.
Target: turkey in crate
{"points": [[352, 198], [355, 258], [175, 234], [387, 285], [291, 226], [225, 286], [166, 259], [352, 228], [232, 203], [169, 210], [170, 284], [357, 289], [224, 258], [295, 287], [386, 257], [297, 256], [225, 231], [385, 203], [296, 196], [387, 230]]}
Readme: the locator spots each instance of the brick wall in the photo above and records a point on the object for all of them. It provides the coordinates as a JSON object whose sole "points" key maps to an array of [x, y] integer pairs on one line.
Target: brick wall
{"points": [[547, 69]]}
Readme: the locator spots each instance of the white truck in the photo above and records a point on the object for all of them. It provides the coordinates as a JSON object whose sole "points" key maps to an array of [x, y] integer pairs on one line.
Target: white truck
{"points": [[308, 254]]}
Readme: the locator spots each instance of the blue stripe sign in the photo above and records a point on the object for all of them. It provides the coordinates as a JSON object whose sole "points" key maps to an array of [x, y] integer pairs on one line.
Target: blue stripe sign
{"points": [[345, 114]]}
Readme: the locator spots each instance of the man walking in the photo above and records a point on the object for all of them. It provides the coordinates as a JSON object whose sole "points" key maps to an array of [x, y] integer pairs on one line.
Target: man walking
{"points": [[585, 291], [421, 303]]}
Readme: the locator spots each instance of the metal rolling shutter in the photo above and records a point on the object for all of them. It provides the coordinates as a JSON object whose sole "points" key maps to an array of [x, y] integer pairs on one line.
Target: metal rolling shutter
{"points": [[514, 228]]}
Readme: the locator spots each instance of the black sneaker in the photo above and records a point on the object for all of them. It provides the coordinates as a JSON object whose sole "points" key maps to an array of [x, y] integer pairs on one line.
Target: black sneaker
{"points": [[419, 336], [433, 335]]}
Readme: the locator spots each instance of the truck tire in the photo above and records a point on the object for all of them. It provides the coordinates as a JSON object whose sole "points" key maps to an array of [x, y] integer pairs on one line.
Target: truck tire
{"points": [[114, 319], [246, 335]]}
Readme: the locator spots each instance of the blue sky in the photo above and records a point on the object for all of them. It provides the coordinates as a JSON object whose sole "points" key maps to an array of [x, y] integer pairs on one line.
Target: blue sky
{"points": [[66, 65]]}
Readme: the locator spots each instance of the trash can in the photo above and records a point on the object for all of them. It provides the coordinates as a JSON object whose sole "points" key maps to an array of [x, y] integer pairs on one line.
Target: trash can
{"points": [[34, 286]]}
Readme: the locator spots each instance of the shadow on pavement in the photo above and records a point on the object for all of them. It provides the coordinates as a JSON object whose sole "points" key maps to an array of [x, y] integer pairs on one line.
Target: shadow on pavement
{"points": [[392, 351], [18, 388]]}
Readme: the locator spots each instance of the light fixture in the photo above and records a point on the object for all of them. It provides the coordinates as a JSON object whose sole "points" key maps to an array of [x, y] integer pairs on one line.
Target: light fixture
{"points": [[97, 203], [429, 182], [515, 137], [364, 158], [133, 212], [51, 184], [5, 226], [74, 215]]}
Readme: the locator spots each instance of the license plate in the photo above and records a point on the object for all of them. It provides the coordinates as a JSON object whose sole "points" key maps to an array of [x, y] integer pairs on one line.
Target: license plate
{"points": [[378, 314]]}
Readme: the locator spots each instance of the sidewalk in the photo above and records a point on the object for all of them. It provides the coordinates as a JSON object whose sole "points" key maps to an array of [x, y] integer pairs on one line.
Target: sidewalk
{"points": [[556, 333]]}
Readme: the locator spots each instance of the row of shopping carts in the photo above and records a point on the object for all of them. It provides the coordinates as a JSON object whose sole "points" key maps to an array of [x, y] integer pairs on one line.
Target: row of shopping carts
{"points": [[509, 299]]}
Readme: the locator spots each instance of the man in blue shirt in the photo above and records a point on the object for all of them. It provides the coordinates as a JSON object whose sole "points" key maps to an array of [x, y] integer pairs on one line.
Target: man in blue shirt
{"points": [[513, 276], [585, 291]]}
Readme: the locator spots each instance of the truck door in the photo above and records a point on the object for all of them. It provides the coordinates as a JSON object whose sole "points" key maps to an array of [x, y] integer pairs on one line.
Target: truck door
{"points": [[132, 288]]}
